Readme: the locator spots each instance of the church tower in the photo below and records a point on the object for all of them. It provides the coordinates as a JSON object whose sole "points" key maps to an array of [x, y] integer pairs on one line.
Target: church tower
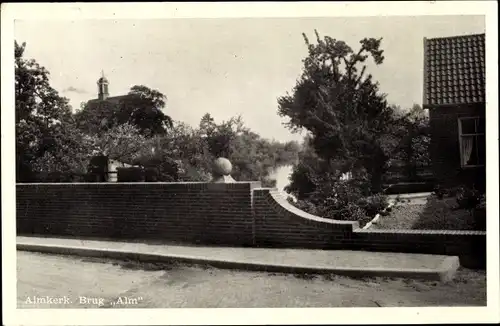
{"points": [[102, 85]]}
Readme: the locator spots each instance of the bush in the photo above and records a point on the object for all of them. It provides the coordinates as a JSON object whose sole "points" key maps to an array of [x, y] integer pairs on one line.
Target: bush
{"points": [[374, 204], [159, 168], [351, 212], [305, 205], [336, 195], [468, 198], [130, 174], [439, 192], [97, 168], [268, 183], [151, 174]]}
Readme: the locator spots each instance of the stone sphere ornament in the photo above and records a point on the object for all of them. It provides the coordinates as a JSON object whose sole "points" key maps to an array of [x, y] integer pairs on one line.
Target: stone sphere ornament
{"points": [[221, 170], [222, 166]]}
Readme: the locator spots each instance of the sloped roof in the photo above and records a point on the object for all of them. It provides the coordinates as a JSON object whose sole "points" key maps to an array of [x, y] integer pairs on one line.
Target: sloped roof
{"points": [[111, 99], [454, 70]]}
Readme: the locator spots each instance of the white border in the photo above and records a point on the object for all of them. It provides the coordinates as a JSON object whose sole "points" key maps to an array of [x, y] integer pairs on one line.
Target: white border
{"points": [[77, 11]]}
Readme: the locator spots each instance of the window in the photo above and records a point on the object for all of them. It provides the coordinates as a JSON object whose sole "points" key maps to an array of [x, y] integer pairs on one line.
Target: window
{"points": [[472, 141]]}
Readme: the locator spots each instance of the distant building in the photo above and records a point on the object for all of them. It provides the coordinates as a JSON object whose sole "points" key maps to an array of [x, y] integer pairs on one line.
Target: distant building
{"points": [[103, 93], [454, 94]]}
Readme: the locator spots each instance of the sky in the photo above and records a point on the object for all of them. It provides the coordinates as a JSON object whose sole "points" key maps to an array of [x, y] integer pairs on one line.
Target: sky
{"points": [[225, 66]]}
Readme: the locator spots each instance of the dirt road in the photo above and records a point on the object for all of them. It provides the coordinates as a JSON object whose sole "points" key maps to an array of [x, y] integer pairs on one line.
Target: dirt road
{"points": [[69, 282]]}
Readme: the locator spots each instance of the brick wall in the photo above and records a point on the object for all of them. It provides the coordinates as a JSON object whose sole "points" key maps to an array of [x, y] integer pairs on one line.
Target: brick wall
{"points": [[187, 212], [445, 147], [236, 214], [279, 224]]}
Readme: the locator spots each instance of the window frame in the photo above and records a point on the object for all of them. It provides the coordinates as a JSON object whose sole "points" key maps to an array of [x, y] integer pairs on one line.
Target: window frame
{"points": [[476, 134]]}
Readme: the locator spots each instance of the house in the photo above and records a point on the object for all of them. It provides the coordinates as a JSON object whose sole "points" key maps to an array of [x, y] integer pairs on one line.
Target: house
{"points": [[454, 94]]}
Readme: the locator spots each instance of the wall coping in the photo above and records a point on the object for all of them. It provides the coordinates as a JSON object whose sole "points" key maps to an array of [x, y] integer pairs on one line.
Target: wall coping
{"points": [[413, 231], [128, 183], [278, 198]]}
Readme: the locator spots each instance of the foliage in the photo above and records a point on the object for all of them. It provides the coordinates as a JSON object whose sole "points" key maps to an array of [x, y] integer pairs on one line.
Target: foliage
{"points": [[252, 157], [46, 139], [352, 131], [351, 212], [187, 148], [439, 191], [130, 174], [219, 137], [141, 108], [122, 143], [412, 129], [468, 199], [348, 118], [159, 166], [373, 205], [131, 129]]}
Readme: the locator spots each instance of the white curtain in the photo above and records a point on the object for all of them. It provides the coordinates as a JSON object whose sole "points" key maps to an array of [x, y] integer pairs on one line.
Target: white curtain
{"points": [[467, 145]]}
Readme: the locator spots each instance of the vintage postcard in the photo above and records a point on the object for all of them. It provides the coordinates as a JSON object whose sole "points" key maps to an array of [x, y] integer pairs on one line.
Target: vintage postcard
{"points": [[250, 163]]}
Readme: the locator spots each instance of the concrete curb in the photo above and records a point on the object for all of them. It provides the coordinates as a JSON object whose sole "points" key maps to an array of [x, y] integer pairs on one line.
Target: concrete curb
{"points": [[416, 195], [377, 217], [445, 272], [449, 268]]}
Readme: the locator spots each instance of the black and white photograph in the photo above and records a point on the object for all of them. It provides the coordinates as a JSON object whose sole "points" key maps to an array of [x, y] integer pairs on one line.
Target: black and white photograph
{"points": [[299, 160]]}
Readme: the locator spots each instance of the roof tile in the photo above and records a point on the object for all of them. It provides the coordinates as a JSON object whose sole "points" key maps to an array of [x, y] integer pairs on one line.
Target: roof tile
{"points": [[455, 70]]}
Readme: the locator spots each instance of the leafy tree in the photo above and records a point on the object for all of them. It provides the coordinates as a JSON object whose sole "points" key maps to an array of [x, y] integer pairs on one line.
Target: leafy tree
{"points": [[67, 158], [340, 105], [252, 157], [142, 108], [98, 117], [418, 135], [45, 136], [220, 136], [123, 143], [186, 146], [412, 151]]}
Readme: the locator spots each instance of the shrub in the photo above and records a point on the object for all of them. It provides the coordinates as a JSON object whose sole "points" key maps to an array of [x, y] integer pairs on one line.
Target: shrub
{"points": [[151, 174], [439, 192], [268, 183], [468, 198], [479, 213], [130, 174], [374, 204], [305, 205], [351, 212], [336, 195]]}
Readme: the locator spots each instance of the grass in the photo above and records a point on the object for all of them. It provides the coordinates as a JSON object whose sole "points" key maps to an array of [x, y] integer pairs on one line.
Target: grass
{"points": [[435, 214]]}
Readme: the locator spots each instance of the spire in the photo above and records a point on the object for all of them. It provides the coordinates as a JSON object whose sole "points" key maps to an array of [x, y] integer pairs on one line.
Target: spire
{"points": [[102, 85]]}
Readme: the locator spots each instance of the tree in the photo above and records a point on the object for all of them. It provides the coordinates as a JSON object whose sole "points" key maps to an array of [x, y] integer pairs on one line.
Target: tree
{"points": [[414, 140], [123, 143], [340, 105], [46, 139], [99, 117], [419, 134], [220, 136], [186, 146], [252, 157], [142, 108]]}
